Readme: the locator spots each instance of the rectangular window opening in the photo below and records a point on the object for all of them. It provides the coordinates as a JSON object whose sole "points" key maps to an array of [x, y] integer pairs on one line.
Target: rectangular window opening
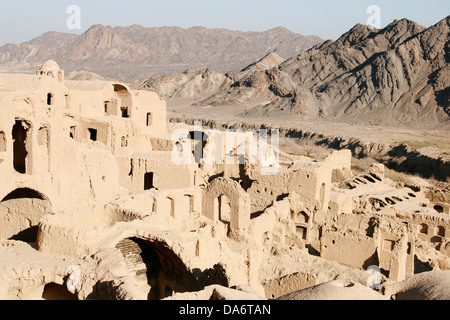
{"points": [[72, 132], [124, 111], [93, 134], [148, 181]]}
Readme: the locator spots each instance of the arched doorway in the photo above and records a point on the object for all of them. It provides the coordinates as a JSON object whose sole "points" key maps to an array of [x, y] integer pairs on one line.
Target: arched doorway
{"points": [[125, 100], [223, 196], [158, 270], [20, 213]]}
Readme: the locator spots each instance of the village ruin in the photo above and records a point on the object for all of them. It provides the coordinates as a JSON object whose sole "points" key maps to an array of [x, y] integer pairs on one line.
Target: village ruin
{"points": [[93, 205]]}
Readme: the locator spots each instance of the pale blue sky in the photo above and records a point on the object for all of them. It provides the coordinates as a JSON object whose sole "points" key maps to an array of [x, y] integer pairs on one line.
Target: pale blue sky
{"points": [[22, 20]]}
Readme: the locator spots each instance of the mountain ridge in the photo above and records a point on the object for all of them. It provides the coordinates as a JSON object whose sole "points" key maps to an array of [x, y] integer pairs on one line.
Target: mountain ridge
{"points": [[396, 76], [133, 52]]}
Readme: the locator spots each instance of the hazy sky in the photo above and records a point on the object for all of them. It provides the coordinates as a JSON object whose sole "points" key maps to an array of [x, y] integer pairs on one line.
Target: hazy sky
{"points": [[22, 20]]}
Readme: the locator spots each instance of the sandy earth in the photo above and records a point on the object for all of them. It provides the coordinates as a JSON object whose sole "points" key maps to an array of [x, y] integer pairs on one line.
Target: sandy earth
{"points": [[433, 143]]}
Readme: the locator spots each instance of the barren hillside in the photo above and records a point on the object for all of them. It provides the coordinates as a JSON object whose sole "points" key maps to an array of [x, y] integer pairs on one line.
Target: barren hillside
{"points": [[135, 52]]}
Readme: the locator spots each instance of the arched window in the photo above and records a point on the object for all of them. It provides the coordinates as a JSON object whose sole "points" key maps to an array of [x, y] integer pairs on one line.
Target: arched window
{"points": [[423, 228], [440, 231], [302, 217], [20, 153], [105, 107]]}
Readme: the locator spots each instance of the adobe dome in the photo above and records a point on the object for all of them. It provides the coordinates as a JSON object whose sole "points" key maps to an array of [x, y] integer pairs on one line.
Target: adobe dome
{"points": [[335, 290], [50, 65], [51, 68]]}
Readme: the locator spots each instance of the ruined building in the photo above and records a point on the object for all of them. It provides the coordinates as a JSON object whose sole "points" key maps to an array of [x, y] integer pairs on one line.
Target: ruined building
{"points": [[93, 205]]}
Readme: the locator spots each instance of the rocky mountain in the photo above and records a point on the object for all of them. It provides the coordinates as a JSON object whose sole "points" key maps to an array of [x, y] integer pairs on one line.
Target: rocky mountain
{"points": [[397, 76], [136, 52], [201, 82]]}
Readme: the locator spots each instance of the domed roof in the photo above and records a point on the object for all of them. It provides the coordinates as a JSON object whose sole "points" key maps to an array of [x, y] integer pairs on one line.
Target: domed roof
{"points": [[335, 290], [50, 65]]}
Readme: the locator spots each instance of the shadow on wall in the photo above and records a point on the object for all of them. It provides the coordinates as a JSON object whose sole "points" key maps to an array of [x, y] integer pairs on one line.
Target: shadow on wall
{"points": [[421, 266]]}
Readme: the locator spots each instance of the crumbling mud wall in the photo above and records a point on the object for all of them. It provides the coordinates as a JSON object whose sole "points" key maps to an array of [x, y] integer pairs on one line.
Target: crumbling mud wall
{"points": [[399, 157]]}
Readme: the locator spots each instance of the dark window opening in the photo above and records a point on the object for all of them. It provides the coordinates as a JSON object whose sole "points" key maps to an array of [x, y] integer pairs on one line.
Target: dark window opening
{"points": [[72, 132], [49, 99], [148, 181], [439, 209], [423, 228], [105, 107], [19, 134], [93, 134], [441, 231], [124, 111]]}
